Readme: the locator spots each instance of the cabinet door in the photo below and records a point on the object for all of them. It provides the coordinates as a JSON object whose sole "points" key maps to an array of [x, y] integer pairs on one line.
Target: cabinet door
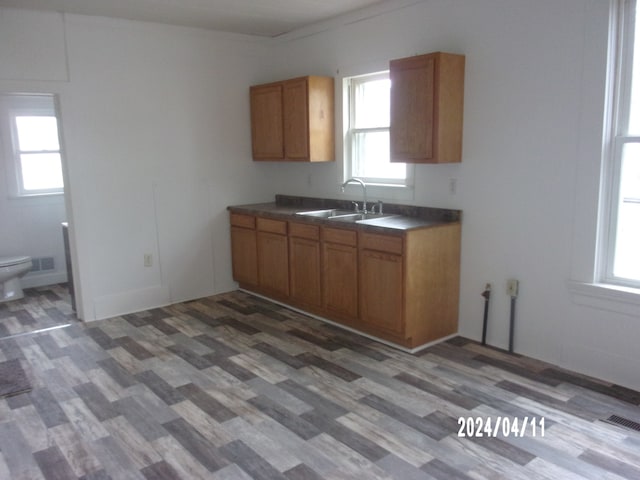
{"points": [[296, 119], [267, 137], [340, 280], [304, 268], [273, 263], [381, 288], [412, 108], [244, 255]]}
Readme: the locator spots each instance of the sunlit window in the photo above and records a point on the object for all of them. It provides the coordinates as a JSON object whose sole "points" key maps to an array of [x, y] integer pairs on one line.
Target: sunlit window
{"points": [[367, 136], [621, 239], [38, 152]]}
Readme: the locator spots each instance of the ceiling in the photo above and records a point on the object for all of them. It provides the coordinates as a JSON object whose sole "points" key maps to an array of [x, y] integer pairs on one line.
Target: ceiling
{"points": [[268, 18]]}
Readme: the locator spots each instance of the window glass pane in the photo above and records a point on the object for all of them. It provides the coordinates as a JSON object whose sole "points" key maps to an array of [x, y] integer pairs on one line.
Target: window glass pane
{"points": [[627, 252], [371, 157], [634, 106], [41, 171], [372, 104], [37, 133]]}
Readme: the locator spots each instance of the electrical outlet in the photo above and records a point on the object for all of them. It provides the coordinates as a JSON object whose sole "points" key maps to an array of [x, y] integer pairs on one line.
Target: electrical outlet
{"points": [[148, 260], [453, 186], [512, 287]]}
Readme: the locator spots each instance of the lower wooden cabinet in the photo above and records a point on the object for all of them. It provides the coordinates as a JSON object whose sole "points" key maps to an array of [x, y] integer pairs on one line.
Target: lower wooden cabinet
{"points": [[273, 256], [304, 264], [340, 274], [401, 286], [381, 287], [244, 258]]}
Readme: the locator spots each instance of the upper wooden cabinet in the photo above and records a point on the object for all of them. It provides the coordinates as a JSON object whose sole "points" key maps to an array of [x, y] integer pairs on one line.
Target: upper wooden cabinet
{"points": [[267, 129], [427, 97], [293, 120]]}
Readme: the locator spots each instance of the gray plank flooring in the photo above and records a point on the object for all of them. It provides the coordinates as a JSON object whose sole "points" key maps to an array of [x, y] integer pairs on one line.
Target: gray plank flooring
{"points": [[234, 387]]}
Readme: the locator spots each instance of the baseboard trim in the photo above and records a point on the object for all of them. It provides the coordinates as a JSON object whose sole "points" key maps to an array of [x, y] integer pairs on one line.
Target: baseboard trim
{"points": [[109, 306], [34, 280]]}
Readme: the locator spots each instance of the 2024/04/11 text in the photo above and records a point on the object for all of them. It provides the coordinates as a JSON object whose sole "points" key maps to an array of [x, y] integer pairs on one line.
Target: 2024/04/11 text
{"points": [[491, 427]]}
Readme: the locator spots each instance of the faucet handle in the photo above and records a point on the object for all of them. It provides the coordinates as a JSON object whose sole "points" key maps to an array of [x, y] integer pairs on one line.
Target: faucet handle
{"points": [[356, 207], [379, 205]]}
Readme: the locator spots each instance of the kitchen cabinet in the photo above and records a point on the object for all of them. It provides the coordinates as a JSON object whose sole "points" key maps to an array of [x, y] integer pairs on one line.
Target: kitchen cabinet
{"points": [[398, 285], [409, 284], [427, 97], [340, 274], [273, 257], [381, 283], [304, 264], [244, 259], [293, 120], [267, 128]]}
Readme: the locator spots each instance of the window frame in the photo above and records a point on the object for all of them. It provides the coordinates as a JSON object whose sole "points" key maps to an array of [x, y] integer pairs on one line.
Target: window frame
{"points": [[27, 105], [349, 85], [616, 137]]}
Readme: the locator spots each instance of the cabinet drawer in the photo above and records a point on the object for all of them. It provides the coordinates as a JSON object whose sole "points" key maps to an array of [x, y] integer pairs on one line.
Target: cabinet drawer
{"points": [[244, 221], [301, 230], [381, 243], [337, 235], [272, 226]]}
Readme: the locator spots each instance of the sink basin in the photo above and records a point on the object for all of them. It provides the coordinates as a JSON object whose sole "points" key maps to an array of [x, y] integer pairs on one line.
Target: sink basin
{"points": [[347, 216], [358, 217], [329, 213]]}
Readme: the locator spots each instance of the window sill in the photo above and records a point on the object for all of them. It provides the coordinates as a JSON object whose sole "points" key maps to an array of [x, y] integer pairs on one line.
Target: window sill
{"points": [[36, 195], [613, 298], [37, 200], [383, 191]]}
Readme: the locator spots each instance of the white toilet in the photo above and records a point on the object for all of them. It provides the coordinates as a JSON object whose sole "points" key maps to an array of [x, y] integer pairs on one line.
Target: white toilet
{"points": [[12, 269]]}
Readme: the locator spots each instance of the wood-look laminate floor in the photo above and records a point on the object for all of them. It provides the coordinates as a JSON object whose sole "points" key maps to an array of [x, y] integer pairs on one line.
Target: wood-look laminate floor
{"points": [[233, 387]]}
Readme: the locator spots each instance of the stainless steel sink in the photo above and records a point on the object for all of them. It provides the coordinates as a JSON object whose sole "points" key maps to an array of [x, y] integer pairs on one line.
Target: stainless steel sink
{"points": [[347, 216], [358, 217], [329, 213]]}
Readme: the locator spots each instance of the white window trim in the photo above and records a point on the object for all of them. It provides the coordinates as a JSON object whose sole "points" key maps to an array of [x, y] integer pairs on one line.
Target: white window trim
{"points": [[14, 167], [618, 113], [17, 165], [382, 187], [602, 296], [588, 286]]}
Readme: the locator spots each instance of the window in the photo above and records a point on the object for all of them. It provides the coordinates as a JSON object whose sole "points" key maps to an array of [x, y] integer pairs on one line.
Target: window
{"points": [[621, 188], [30, 125], [367, 132]]}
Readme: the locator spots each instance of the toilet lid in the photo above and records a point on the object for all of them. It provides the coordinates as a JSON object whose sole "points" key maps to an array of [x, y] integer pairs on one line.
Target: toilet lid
{"points": [[8, 261]]}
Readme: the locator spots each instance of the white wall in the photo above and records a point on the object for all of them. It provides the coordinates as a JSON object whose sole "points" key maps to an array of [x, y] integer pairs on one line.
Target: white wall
{"points": [[30, 226], [158, 132], [156, 124], [534, 96]]}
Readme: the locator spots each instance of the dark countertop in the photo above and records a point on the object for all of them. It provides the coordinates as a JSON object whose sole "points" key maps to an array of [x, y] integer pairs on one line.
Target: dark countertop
{"points": [[403, 217]]}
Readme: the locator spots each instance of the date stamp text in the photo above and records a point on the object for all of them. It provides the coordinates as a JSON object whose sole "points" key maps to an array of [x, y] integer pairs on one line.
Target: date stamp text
{"points": [[476, 427]]}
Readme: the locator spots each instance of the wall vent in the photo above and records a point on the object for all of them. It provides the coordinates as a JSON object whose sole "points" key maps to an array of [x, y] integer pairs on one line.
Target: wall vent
{"points": [[625, 422], [42, 264]]}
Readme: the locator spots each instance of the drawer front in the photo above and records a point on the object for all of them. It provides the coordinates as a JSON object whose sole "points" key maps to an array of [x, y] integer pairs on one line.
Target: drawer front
{"points": [[381, 243], [272, 226], [301, 230], [244, 221], [337, 235]]}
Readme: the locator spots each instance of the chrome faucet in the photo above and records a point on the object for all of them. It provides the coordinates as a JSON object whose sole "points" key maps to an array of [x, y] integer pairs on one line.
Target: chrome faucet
{"points": [[364, 191]]}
